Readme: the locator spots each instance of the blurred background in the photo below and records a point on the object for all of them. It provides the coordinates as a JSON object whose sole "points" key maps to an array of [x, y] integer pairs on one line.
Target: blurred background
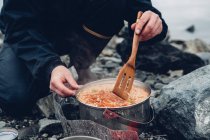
{"points": [[182, 14]]}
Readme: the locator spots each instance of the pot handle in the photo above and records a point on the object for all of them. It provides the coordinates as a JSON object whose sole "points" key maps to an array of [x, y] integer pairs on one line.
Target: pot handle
{"points": [[108, 114]]}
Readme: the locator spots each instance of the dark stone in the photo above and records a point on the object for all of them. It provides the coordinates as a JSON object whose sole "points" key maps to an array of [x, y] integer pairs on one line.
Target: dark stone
{"points": [[183, 106], [27, 132], [160, 58], [191, 29], [51, 127]]}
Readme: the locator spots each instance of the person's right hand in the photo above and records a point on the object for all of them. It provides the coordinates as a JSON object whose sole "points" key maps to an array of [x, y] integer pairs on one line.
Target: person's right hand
{"points": [[60, 77]]}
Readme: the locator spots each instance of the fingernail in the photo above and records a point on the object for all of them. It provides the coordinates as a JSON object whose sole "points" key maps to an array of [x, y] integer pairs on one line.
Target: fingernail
{"points": [[138, 31]]}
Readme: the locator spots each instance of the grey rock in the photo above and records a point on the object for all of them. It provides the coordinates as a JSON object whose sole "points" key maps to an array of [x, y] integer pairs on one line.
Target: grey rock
{"points": [[110, 64], [161, 58], [46, 106], [197, 45], [1, 40], [176, 73], [52, 138], [45, 135], [205, 56], [27, 132], [96, 69], [2, 124], [158, 86], [166, 80], [50, 126], [113, 59], [149, 82], [65, 59], [191, 46], [107, 52], [183, 106], [142, 76]]}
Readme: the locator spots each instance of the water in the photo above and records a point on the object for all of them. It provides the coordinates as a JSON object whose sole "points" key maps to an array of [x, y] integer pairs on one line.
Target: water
{"points": [[1, 3], [180, 14]]}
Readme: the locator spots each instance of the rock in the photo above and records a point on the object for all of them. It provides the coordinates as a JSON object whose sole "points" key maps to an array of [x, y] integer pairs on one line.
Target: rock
{"points": [[166, 80], [46, 106], [161, 58], [176, 73], [191, 29], [113, 59], [195, 46], [45, 135], [107, 52], [27, 132], [96, 69], [1, 40], [114, 41], [158, 86], [2, 124], [149, 82], [191, 46], [51, 127], [110, 64], [52, 139], [205, 56], [65, 59], [183, 106], [142, 76]]}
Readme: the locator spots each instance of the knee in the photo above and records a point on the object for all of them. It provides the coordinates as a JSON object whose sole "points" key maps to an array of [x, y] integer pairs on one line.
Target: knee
{"points": [[16, 103]]}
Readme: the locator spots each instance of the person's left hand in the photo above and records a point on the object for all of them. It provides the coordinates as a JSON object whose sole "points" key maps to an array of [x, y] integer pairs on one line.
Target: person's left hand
{"points": [[148, 25]]}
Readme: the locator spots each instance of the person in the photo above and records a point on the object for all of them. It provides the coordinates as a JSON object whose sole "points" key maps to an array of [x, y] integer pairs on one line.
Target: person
{"points": [[38, 32]]}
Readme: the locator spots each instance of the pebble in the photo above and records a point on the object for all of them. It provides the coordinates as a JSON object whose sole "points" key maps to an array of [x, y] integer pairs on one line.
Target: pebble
{"points": [[110, 64], [2, 124], [107, 52], [96, 69], [113, 59], [158, 86], [25, 120], [166, 80], [52, 138], [176, 73], [150, 82], [45, 135]]}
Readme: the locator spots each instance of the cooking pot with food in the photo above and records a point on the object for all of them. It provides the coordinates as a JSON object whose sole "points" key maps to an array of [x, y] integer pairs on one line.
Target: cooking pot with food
{"points": [[99, 104]]}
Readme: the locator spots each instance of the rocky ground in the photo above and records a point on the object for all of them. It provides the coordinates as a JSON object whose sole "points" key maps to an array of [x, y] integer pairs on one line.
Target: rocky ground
{"points": [[108, 65]]}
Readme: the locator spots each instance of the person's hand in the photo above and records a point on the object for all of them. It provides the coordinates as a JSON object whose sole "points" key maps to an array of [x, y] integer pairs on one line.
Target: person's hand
{"points": [[148, 25], [60, 79]]}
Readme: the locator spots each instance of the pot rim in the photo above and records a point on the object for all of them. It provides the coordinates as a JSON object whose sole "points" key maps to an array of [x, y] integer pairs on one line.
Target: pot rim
{"points": [[115, 108]]}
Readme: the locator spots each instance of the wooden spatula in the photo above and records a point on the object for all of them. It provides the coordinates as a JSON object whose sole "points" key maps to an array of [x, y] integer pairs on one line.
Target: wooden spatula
{"points": [[126, 74]]}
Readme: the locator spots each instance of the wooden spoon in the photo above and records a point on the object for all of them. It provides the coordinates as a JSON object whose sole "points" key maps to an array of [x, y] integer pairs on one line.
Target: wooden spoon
{"points": [[126, 74]]}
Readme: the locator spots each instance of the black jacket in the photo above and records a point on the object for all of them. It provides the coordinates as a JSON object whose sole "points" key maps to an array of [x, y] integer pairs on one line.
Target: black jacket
{"points": [[31, 27]]}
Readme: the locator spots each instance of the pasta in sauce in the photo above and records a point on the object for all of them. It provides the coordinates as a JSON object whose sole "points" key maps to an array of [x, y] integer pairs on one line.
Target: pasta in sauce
{"points": [[102, 96]]}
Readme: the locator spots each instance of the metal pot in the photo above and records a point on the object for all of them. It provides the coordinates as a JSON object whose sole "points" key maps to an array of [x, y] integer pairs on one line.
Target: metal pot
{"points": [[8, 134], [133, 117], [80, 138]]}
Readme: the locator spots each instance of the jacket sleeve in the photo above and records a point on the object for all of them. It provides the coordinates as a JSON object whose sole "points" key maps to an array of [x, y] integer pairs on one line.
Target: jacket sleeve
{"points": [[23, 32], [144, 5]]}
